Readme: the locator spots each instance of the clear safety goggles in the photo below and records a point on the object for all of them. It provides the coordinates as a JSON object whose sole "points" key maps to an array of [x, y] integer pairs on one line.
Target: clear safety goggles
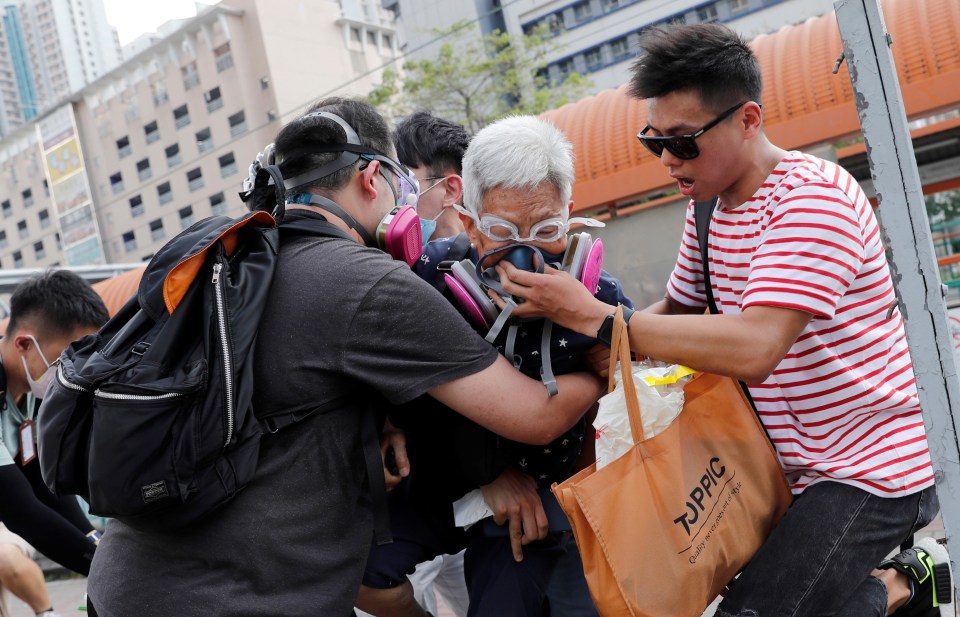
{"points": [[547, 230], [408, 191]]}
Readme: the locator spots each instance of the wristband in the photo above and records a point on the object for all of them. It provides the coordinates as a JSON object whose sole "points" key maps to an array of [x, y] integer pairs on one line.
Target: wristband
{"points": [[605, 332]]}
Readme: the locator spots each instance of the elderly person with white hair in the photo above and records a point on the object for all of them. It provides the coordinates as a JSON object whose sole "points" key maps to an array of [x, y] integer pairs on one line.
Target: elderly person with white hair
{"points": [[518, 181]]}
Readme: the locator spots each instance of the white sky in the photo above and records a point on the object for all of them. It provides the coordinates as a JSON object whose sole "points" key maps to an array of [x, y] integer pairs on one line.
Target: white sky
{"points": [[135, 17]]}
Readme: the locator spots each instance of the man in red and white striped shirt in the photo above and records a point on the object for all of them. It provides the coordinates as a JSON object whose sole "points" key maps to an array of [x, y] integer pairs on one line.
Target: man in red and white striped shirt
{"points": [[807, 319]]}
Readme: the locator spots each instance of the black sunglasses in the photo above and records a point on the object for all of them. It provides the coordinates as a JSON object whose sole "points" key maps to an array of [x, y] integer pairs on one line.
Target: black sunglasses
{"points": [[682, 146]]}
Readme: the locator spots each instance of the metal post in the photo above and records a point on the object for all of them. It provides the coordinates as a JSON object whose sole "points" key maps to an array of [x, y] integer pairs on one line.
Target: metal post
{"points": [[906, 233]]}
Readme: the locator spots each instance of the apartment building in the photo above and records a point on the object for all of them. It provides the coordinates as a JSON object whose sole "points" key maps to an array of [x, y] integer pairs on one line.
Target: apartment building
{"points": [[418, 21], [165, 139], [598, 38], [49, 49]]}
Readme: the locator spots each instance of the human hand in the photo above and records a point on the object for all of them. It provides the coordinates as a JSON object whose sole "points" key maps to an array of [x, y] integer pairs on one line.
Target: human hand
{"points": [[513, 499], [555, 295], [598, 360], [393, 451]]}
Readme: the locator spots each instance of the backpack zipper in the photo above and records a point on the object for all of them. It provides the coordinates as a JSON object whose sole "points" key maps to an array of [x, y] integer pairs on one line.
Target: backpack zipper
{"points": [[67, 384], [112, 396], [225, 349]]}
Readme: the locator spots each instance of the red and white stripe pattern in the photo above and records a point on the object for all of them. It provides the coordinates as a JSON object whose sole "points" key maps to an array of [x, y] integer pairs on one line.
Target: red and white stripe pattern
{"points": [[842, 405]]}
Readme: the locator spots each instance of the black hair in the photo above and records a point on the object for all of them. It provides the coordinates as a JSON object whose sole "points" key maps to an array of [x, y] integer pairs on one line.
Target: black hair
{"points": [[58, 302], [302, 133], [424, 140], [710, 59]]}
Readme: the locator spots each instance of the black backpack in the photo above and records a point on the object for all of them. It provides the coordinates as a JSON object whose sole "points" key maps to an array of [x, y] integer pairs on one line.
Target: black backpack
{"points": [[150, 419]]}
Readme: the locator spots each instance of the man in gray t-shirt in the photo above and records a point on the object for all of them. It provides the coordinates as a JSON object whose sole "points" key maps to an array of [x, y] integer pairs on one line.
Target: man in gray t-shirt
{"points": [[343, 328]]}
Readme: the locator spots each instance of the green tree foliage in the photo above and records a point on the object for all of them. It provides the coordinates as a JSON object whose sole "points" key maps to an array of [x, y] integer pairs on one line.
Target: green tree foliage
{"points": [[477, 80], [943, 207]]}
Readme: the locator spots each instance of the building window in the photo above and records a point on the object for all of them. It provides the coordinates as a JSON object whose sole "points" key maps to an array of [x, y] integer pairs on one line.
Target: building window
{"points": [[620, 48], [151, 132], [223, 57], [564, 68], [116, 183], [195, 179], [44, 218], [218, 205], [611, 5], [186, 217], [129, 241], [238, 124], [190, 76], [181, 116], [6, 208], [355, 35], [173, 155], [46, 188], [123, 147], [27, 198], [3, 239], [143, 170], [204, 141], [593, 58], [22, 230], [707, 13], [164, 193], [17, 259], [738, 6], [159, 91], [228, 165], [582, 11], [213, 99], [136, 206], [38, 250], [156, 230], [387, 41]]}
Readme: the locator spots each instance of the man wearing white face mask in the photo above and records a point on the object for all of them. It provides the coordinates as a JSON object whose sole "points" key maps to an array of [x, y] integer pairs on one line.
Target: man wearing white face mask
{"points": [[47, 312], [432, 148]]}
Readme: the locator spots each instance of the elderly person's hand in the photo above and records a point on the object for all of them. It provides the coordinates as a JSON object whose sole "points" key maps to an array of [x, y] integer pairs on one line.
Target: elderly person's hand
{"points": [[555, 295], [513, 499]]}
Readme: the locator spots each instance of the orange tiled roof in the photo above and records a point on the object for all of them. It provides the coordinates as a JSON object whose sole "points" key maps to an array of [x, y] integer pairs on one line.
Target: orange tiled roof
{"points": [[804, 103], [117, 290]]}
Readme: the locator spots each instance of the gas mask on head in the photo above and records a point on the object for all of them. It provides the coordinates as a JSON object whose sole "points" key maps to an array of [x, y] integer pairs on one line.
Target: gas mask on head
{"points": [[469, 283], [398, 233]]}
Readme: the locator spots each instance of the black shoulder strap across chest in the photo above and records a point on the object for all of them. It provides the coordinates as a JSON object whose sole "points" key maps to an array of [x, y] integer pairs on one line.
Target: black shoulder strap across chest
{"points": [[702, 214]]}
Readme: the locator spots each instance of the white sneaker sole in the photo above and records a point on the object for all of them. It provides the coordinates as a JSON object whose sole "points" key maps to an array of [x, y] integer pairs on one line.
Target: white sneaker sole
{"points": [[942, 574]]}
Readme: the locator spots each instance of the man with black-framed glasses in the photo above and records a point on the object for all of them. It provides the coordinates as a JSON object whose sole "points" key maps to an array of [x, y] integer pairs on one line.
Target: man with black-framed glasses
{"points": [[807, 319]]}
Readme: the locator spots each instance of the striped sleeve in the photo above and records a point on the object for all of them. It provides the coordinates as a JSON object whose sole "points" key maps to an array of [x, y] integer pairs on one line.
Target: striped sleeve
{"points": [[686, 282], [809, 253]]}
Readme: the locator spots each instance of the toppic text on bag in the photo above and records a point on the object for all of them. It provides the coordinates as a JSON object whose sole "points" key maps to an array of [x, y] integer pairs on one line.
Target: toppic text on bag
{"points": [[666, 526]]}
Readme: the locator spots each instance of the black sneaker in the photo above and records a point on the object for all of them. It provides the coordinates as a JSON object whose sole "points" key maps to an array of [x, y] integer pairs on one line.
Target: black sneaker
{"points": [[928, 565]]}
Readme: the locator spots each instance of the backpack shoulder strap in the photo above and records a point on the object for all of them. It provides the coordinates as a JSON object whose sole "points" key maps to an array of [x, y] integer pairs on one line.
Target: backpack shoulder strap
{"points": [[702, 214]]}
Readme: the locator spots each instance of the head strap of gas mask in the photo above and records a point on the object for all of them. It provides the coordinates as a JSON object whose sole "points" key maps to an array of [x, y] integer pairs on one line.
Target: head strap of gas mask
{"points": [[399, 232]]}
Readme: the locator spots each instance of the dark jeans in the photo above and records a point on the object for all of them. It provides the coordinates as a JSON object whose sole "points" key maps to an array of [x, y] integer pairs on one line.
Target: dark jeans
{"points": [[817, 562]]}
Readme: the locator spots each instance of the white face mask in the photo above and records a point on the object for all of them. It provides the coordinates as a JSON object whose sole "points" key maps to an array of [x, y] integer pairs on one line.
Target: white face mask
{"points": [[39, 387]]}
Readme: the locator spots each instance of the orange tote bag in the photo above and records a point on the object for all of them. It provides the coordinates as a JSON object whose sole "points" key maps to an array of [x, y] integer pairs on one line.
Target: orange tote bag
{"points": [[665, 527]]}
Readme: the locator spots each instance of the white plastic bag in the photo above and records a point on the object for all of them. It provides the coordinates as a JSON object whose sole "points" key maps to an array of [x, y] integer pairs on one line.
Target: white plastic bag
{"points": [[660, 394]]}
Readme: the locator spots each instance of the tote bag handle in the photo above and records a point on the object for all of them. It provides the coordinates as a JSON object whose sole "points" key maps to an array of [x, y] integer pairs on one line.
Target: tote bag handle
{"points": [[620, 350]]}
